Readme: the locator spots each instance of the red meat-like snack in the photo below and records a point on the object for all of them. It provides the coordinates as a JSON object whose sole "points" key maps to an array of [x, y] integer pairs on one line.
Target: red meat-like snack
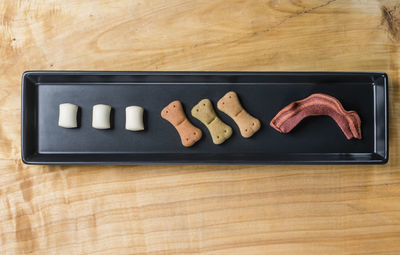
{"points": [[318, 104]]}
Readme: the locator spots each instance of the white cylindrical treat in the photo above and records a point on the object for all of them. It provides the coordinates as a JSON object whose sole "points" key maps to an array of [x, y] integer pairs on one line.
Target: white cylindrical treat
{"points": [[134, 118], [67, 117], [101, 116]]}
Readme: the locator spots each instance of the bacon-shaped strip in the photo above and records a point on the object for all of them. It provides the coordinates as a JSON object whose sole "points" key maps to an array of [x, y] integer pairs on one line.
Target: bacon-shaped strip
{"points": [[318, 104]]}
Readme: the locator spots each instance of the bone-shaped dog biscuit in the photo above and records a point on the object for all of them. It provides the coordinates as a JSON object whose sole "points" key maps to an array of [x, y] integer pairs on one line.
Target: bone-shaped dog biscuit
{"points": [[176, 116], [204, 112], [230, 105]]}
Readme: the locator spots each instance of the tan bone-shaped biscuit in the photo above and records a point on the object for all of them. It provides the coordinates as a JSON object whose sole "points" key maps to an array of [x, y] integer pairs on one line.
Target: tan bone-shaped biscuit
{"points": [[204, 111], [230, 105], [175, 114]]}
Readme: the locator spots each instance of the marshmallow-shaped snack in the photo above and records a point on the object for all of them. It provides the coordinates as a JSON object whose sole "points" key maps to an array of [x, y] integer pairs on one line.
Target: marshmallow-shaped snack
{"points": [[134, 118], [101, 116], [67, 117]]}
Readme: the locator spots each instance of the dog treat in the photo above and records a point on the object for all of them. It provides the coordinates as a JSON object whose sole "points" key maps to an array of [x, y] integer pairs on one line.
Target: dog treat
{"points": [[134, 118], [176, 116], [318, 104], [101, 116], [230, 105], [204, 112], [67, 117]]}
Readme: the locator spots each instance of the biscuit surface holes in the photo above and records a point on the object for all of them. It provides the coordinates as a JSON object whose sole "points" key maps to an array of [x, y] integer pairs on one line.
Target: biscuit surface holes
{"points": [[204, 112], [248, 125], [175, 115]]}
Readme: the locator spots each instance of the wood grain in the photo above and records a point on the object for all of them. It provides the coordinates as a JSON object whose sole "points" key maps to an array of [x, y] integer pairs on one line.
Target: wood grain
{"points": [[197, 209]]}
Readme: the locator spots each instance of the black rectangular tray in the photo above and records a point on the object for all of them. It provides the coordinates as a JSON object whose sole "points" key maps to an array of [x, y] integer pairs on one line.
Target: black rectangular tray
{"points": [[317, 140]]}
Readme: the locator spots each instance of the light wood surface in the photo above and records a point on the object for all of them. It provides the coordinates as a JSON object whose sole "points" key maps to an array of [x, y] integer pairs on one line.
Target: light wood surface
{"points": [[197, 209]]}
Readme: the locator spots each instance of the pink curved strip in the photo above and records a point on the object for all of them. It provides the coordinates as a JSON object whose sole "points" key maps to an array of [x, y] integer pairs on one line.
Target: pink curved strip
{"points": [[318, 104]]}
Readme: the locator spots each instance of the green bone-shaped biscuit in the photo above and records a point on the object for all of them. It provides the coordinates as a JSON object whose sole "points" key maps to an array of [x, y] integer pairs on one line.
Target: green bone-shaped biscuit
{"points": [[204, 112]]}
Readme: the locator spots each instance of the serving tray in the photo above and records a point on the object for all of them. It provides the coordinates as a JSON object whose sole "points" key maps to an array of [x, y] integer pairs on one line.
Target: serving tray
{"points": [[316, 140]]}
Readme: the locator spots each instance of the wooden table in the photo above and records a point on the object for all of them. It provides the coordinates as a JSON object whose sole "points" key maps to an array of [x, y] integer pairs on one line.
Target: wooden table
{"points": [[353, 209]]}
